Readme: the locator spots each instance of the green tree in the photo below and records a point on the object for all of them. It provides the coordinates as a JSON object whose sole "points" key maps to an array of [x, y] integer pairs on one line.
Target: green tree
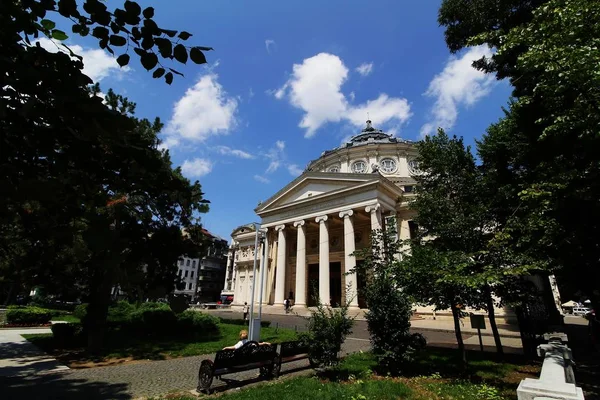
{"points": [[540, 156], [389, 306]]}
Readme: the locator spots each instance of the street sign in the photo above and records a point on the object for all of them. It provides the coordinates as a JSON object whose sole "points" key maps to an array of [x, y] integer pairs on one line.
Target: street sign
{"points": [[477, 321]]}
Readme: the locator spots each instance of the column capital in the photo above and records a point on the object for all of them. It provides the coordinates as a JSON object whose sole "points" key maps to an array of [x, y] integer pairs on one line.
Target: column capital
{"points": [[372, 208], [298, 224], [346, 213], [321, 218], [279, 228]]}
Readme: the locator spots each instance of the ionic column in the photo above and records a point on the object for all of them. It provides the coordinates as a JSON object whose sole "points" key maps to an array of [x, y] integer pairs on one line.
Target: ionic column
{"points": [[300, 264], [280, 271], [349, 259], [323, 260], [374, 210]]}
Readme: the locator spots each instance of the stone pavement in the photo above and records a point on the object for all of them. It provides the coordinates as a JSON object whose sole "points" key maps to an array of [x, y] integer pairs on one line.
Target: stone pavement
{"points": [[134, 380], [18, 357]]}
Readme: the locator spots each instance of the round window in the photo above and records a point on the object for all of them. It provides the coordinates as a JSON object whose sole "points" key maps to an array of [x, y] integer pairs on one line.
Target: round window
{"points": [[388, 165], [359, 167], [413, 166], [335, 168]]}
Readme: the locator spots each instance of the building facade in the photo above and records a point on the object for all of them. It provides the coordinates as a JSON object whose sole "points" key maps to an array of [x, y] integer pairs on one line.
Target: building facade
{"points": [[314, 224], [201, 278]]}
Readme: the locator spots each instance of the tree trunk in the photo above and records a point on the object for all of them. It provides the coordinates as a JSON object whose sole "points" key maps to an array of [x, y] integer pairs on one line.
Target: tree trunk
{"points": [[457, 331], [97, 312], [492, 317]]}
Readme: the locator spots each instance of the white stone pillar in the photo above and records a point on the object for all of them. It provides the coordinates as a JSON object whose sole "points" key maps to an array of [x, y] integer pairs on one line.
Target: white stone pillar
{"points": [[280, 271], [349, 259], [323, 260], [300, 264], [265, 276], [375, 211]]}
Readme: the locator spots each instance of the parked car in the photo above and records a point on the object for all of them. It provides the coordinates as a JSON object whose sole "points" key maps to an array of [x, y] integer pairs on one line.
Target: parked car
{"points": [[583, 311]]}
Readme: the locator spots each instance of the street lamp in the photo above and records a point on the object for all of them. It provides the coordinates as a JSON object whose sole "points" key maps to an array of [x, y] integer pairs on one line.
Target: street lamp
{"points": [[254, 324]]}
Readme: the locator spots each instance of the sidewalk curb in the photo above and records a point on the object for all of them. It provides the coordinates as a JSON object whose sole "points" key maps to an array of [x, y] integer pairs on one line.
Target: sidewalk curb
{"points": [[429, 329]]}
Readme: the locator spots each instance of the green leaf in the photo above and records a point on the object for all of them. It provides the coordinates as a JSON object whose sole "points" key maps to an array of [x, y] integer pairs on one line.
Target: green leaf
{"points": [[204, 48], [168, 32], [158, 72], [180, 53], [59, 35], [183, 35], [149, 60], [149, 12], [164, 46], [100, 32], [117, 40], [197, 56], [169, 78], [123, 60], [147, 43], [133, 8], [47, 24]]}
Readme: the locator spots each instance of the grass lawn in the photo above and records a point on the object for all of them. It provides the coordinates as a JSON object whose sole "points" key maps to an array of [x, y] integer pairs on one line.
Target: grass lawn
{"points": [[66, 318], [119, 347], [485, 379]]}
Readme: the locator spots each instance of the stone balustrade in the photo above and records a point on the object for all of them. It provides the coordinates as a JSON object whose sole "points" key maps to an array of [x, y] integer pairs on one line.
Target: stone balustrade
{"points": [[557, 380]]}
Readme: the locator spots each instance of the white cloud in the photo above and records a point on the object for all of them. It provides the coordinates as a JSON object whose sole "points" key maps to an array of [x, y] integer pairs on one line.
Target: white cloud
{"points": [[168, 143], [97, 64], [270, 43], [458, 84], [261, 179], [315, 88], [365, 69], [204, 110], [196, 168], [294, 170], [227, 151]]}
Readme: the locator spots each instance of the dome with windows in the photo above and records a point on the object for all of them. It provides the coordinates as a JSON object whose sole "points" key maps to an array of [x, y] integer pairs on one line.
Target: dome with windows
{"points": [[371, 151]]}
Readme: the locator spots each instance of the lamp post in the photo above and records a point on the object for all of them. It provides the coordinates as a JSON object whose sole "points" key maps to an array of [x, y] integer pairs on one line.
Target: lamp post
{"points": [[251, 321]]}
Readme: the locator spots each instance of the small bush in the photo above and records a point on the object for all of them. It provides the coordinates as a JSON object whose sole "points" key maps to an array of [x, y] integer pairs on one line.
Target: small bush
{"points": [[120, 313], [29, 316], [154, 321], [195, 323], [81, 311], [327, 331], [65, 334]]}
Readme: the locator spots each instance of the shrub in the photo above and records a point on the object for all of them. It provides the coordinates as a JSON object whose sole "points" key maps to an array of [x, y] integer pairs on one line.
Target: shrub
{"points": [[81, 311], [120, 313], [65, 334], [389, 313], [178, 304], [28, 316], [327, 331], [195, 323], [153, 321]]}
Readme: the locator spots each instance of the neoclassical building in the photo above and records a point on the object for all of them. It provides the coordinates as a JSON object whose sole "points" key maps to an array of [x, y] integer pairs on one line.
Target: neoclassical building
{"points": [[314, 224]]}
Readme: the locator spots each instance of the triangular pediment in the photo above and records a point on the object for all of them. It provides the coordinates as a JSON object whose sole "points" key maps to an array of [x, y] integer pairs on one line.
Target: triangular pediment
{"points": [[314, 185]]}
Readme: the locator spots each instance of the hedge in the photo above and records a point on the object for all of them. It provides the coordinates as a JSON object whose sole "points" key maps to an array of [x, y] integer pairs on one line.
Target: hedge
{"points": [[196, 323], [65, 334], [29, 315]]}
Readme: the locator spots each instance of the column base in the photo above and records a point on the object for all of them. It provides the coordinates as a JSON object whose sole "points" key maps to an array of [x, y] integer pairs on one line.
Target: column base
{"points": [[299, 305]]}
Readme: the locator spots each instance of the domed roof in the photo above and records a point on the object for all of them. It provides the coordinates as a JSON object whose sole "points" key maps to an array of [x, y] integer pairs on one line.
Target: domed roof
{"points": [[370, 134]]}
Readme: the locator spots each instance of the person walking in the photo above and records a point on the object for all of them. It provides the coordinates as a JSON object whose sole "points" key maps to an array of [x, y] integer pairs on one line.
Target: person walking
{"points": [[245, 311]]}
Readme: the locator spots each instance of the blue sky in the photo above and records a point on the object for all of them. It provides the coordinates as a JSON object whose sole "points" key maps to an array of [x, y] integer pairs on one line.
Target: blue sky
{"points": [[288, 80]]}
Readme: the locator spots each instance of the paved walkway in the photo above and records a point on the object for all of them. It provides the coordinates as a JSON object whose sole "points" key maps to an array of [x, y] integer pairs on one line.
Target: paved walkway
{"points": [[18, 357], [133, 380]]}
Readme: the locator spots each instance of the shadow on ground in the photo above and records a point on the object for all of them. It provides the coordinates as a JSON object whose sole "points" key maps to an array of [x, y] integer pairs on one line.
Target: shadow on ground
{"points": [[57, 386], [587, 360]]}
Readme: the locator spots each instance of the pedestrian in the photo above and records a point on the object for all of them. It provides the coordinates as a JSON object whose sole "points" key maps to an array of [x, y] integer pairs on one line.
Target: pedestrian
{"points": [[245, 311], [286, 303]]}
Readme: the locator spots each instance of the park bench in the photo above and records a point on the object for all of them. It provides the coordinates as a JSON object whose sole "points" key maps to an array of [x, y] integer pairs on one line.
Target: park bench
{"points": [[292, 351], [250, 356]]}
